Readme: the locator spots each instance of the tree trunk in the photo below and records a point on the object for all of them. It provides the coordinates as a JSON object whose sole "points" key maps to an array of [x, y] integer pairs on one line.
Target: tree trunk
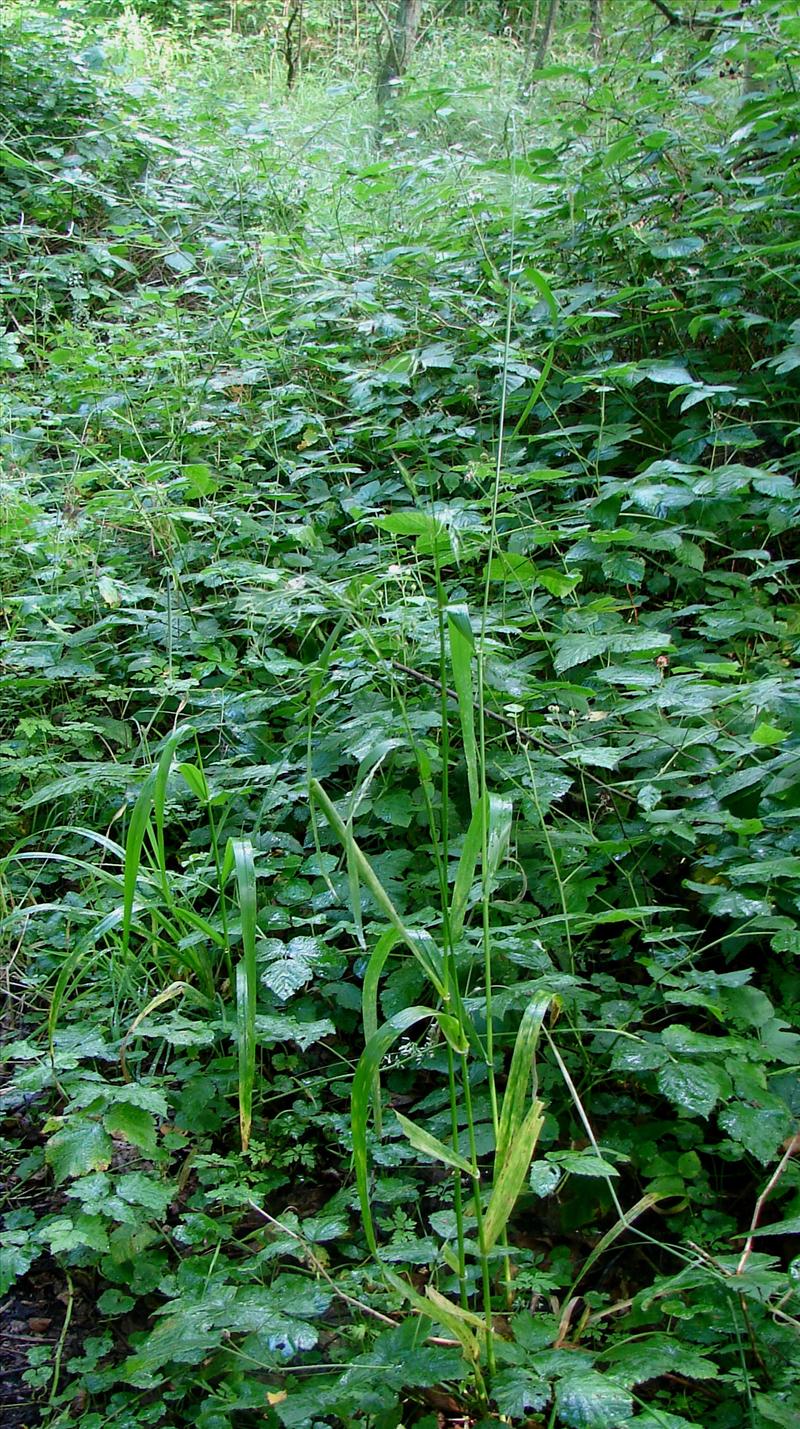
{"points": [[529, 40], [596, 27], [547, 34], [293, 42], [400, 47]]}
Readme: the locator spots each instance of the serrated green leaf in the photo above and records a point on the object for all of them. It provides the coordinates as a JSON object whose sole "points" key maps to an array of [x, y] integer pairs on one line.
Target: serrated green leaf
{"points": [[65, 1233], [518, 1392], [79, 1147], [587, 1400], [544, 1178], [133, 1124], [760, 1130], [695, 1088], [16, 1260]]}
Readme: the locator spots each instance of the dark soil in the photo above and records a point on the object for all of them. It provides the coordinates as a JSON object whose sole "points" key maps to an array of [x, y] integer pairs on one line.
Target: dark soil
{"points": [[31, 1315]]}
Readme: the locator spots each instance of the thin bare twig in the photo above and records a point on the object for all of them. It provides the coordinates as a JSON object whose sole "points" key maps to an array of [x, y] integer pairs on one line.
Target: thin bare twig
{"points": [[792, 1149], [328, 1278], [505, 720], [320, 1268]]}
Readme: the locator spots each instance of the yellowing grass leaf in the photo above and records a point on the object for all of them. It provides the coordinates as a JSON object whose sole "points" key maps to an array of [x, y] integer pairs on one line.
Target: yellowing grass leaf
{"points": [[242, 851], [431, 1146], [509, 1180], [520, 1082], [462, 643]]}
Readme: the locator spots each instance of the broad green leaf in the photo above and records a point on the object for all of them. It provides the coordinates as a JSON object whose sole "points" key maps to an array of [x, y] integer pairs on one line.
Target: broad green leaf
{"points": [[109, 591], [437, 354], [760, 1130], [66, 1233], [577, 649], [139, 1189], [677, 247], [196, 780], [179, 261], [651, 1356], [768, 734], [544, 1178], [511, 566], [587, 1400], [280, 1027], [518, 1392], [79, 1147], [695, 1088], [791, 1226], [585, 1163], [411, 523], [133, 1124], [670, 374], [16, 1259], [558, 583]]}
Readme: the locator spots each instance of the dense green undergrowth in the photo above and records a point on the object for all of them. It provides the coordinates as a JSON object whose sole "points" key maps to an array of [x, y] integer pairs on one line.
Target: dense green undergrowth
{"points": [[400, 612]]}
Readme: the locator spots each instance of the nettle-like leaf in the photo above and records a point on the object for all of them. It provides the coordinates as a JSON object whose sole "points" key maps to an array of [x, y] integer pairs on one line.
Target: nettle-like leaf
{"points": [[83, 1145], [518, 1392], [18, 1251], [132, 1124], [64, 1233], [405, 1360], [281, 1315], [652, 1356], [280, 1027], [759, 1129], [292, 965], [578, 649], [695, 1088], [588, 1400]]}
